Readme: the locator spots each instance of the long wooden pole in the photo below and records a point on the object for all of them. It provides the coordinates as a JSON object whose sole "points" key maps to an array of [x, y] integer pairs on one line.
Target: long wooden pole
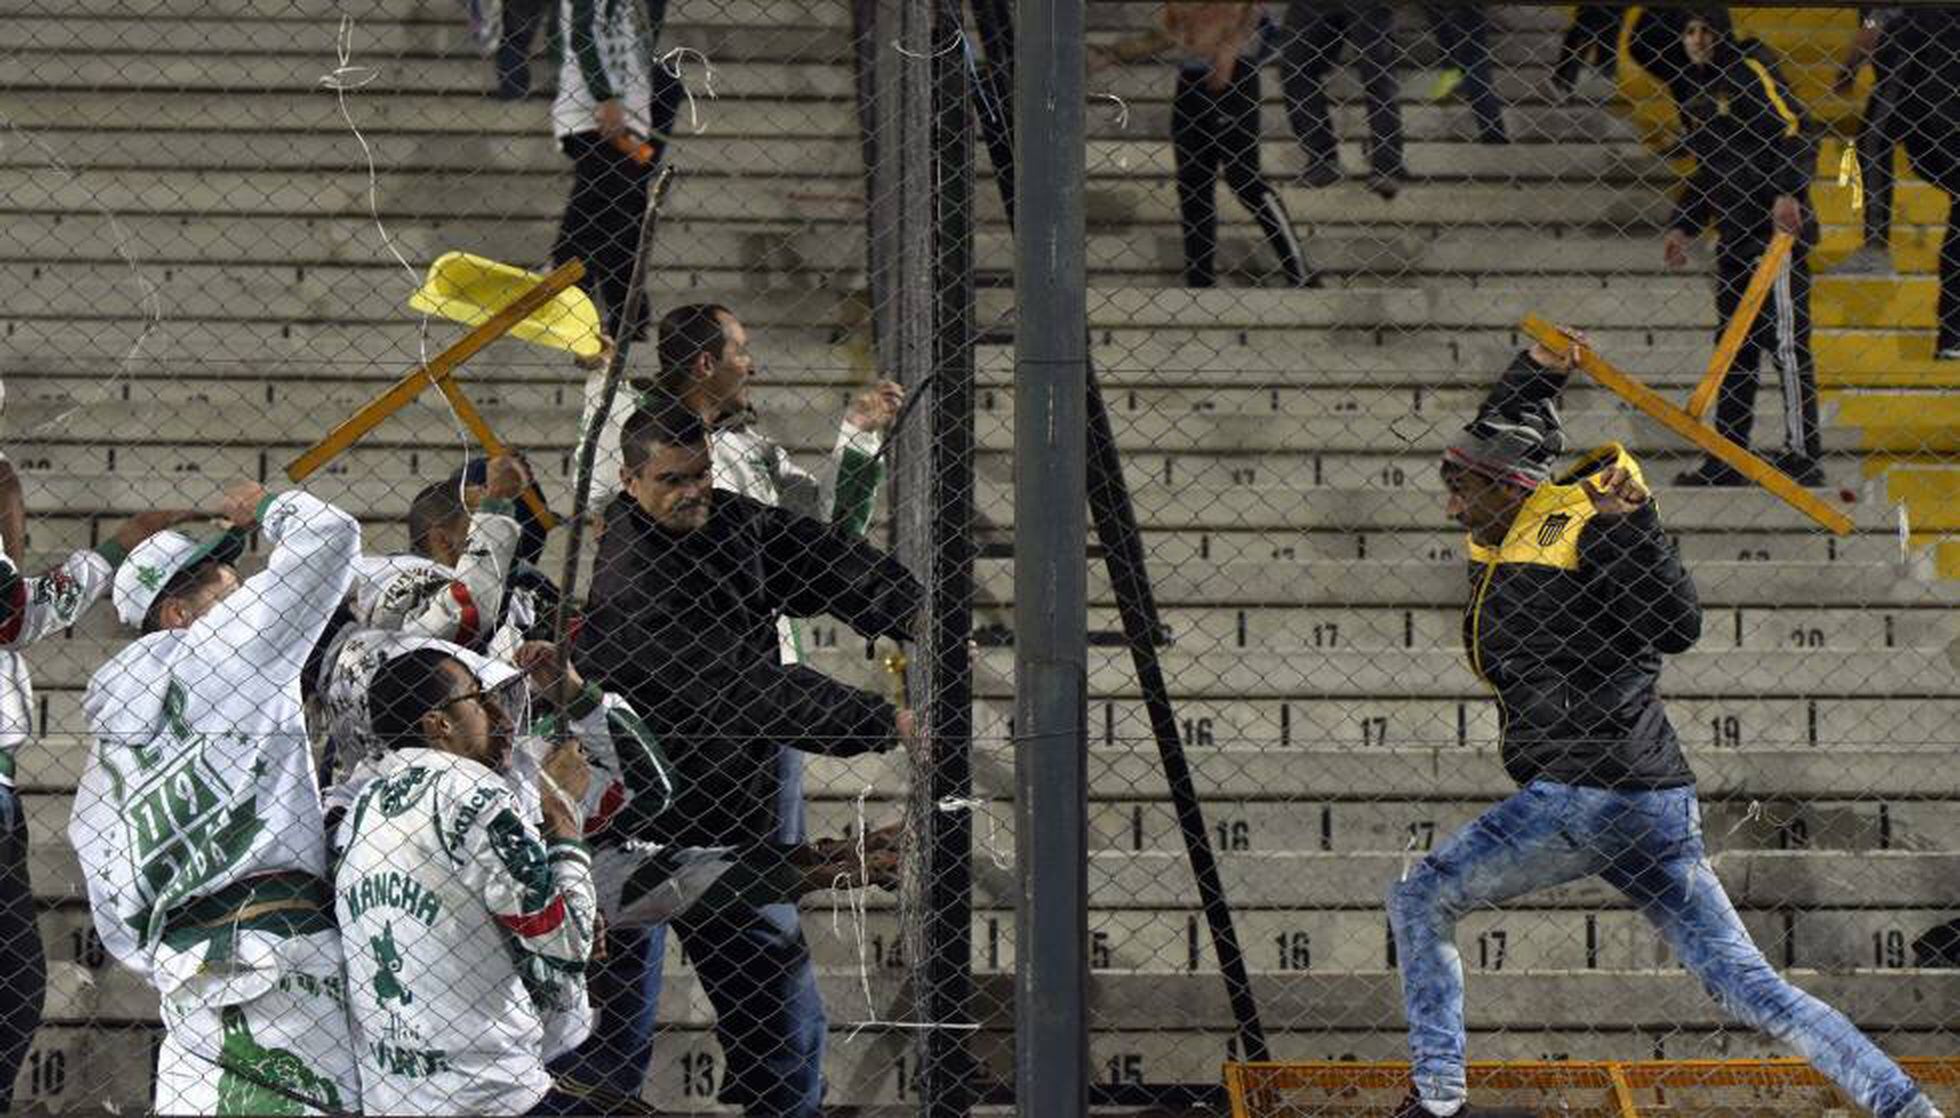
{"points": [[1692, 429], [1740, 322]]}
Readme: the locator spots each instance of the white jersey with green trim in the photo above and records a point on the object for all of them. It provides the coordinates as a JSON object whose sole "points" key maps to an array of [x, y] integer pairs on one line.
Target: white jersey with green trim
{"points": [[604, 53], [200, 777], [31, 607], [421, 597], [466, 937]]}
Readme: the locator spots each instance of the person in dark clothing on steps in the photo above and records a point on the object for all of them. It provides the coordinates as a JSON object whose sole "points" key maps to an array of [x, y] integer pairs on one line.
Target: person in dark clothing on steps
{"points": [[1924, 98], [1316, 31], [688, 589], [1463, 35], [1875, 140], [1576, 595], [1592, 40], [1215, 128], [1753, 166], [612, 115]]}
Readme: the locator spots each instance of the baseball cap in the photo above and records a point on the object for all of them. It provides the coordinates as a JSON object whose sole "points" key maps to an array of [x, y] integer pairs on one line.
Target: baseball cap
{"points": [[146, 573]]}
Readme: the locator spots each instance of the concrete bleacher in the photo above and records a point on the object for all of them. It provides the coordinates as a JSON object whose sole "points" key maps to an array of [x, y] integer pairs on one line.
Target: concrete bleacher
{"points": [[1280, 446]]}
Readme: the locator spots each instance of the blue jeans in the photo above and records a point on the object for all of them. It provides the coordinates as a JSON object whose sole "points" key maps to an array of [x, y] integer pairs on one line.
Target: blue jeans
{"points": [[755, 968], [625, 991], [1648, 846], [23, 966]]}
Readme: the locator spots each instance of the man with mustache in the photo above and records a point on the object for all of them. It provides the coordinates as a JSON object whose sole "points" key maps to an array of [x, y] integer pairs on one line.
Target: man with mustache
{"points": [[688, 588]]}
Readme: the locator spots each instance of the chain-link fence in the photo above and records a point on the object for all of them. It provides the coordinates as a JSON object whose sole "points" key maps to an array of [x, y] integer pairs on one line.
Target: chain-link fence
{"points": [[641, 376]]}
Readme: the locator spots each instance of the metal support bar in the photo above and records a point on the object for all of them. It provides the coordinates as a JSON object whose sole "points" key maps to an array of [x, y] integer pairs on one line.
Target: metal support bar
{"points": [[944, 770], [1051, 1036]]}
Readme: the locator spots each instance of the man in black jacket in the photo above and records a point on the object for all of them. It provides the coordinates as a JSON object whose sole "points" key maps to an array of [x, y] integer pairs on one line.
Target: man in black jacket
{"points": [[1576, 593], [1753, 165], [687, 589]]}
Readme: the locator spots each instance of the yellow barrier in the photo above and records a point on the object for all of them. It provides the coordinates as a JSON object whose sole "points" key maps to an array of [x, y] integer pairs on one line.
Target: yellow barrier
{"points": [[1623, 1088]]}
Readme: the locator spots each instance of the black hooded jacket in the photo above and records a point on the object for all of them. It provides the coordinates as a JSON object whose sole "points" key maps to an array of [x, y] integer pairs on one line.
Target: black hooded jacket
{"points": [[1747, 134], [1567, 622], [684, 627]]}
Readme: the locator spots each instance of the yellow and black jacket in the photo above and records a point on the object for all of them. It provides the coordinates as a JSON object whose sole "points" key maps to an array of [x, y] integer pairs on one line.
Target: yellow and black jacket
{"points": [[1748, 135], [1567, 623]]}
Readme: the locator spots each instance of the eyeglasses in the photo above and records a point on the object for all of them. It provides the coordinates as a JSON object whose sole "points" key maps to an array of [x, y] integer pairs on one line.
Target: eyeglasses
{"points": [[485, 699]]}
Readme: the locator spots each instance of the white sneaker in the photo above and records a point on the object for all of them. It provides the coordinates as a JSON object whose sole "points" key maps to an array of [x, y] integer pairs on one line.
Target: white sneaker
{"points": [[1950, 353]]}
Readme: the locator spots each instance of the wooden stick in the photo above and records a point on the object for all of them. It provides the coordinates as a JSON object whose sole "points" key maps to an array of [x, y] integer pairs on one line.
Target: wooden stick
{"points": [[1737, 330], [437, 371], [588, 448], [492, 445], [1692, 429]]}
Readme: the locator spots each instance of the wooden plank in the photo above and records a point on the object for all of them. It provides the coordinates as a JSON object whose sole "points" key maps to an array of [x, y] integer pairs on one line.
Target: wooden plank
{"points": [[1692, 429], [1738, 328], [491, 444], [437, 370]]}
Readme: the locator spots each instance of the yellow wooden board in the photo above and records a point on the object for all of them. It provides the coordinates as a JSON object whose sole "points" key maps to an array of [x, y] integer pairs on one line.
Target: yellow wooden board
{"points": [[1681, 423]]}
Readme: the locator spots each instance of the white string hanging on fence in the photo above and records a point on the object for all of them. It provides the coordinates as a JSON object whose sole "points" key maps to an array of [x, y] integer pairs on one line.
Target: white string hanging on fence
{"points": [[985, 808], [854, 898], [1122, 124], [343, 79], [671, 62], [149, 296]]}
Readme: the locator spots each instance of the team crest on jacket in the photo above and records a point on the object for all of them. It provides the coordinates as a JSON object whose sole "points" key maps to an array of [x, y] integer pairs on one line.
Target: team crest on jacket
{"points": [[1553, 527]]}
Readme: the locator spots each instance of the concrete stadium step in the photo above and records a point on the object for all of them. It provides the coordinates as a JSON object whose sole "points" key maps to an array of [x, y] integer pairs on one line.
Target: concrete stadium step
{"points": [[795, 396], [832, 194], [1580, 999], [1375, 831], [785, 252], [473, 114], [1306, 670], [403, 470], [1165, 943], [799, 345], [1709, 727], [288, 13], [1713, 727], [406, 151], [875, 1072], [1411, 501], [203, 69], [1397, 827], [1764, 762], [1335, 447], [375, 293], [1520, 35]]}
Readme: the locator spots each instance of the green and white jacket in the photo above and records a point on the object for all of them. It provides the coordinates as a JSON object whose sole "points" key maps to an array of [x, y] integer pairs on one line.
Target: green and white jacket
{"points": [[466, 937], [604, 52], [198, 820], [31, 607]]}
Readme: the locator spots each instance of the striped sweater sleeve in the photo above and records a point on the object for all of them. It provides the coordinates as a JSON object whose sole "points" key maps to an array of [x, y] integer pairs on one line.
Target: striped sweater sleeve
{"points": [[540, 893], [582, 39], [31, 607]]}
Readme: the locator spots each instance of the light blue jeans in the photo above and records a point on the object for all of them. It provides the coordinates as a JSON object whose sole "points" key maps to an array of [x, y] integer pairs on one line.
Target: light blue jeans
{"points": [[1648, 846]]}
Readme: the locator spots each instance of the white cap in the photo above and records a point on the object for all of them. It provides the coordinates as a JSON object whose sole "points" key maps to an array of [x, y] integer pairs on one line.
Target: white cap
{"points": [[154, 562]]}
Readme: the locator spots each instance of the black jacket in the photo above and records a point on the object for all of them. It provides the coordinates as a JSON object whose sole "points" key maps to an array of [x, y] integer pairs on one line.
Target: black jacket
{"points": [[1747, 134], [1922, 91], [684, 627], [1567, 622]]}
